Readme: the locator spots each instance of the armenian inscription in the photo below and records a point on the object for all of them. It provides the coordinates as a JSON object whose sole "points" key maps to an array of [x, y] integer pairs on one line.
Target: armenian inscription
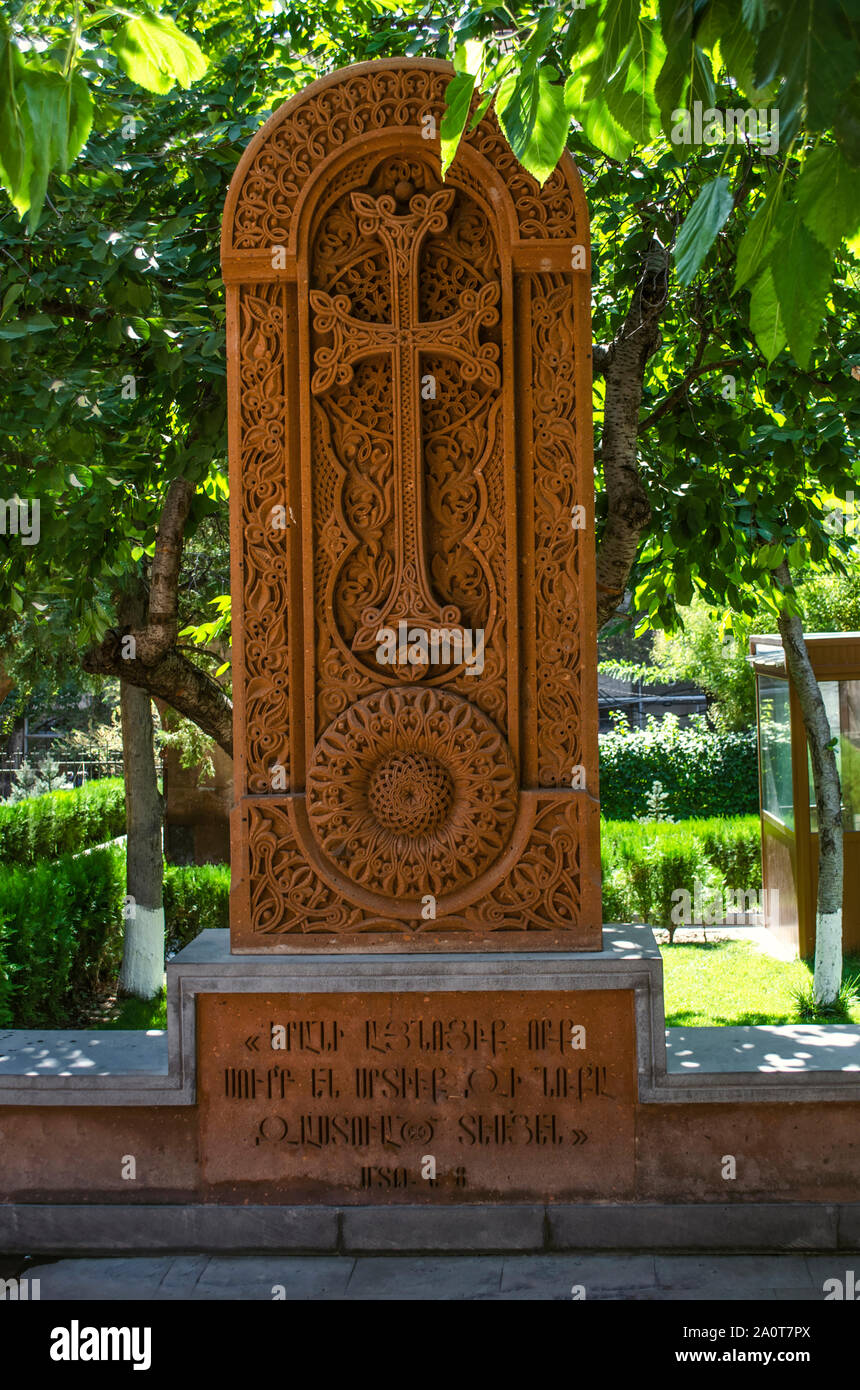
{"points": [[452, 1096]]}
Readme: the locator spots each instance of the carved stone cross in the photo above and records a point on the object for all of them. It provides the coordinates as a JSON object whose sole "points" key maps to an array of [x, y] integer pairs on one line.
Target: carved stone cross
{"points": [[406, 337]]}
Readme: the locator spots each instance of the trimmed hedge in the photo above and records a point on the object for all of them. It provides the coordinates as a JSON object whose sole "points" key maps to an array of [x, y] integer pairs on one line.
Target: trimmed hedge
{"points": [[644, 863], [704, 771], [64, 822], [60, 935], [195, 897], [61, 925], [61, 929]]}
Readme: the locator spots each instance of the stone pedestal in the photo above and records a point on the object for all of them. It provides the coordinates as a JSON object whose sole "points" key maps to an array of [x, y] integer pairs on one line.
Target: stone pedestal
{"points": [[417, 1079]]}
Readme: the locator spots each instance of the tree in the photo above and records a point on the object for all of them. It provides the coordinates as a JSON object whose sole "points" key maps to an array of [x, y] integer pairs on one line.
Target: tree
{"points": [[725, 402], [710, 646]]}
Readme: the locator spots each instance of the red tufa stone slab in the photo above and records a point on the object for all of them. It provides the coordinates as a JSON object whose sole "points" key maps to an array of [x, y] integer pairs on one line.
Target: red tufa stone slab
{"points": [[412, 532], [366, 1089], [81, 1154]]}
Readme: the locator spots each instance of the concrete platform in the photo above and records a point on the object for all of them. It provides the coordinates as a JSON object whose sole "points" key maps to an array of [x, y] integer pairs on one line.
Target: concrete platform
{"points": [[684, 1065], [209, 1228], [786, 1050], [114, 1053]]}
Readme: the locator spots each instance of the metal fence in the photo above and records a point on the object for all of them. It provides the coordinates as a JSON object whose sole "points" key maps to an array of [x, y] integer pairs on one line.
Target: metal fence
{"points": [[76, 770]]}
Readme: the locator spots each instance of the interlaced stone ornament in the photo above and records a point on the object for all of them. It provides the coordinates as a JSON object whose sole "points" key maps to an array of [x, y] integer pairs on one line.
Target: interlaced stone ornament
{"points": [[412, 791], [409, 383]]}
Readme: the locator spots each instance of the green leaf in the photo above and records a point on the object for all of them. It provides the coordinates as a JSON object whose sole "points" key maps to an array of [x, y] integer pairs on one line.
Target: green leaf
{"points": [[765, 320], [846, 127], [701, 226], [481, 110], [676, 24], [753, 12], [12, 146], [80, 118], [534, 118], [598, 122], [13, 293], [619, 26], [753, 246], [807, 43], [630, 93], [156, 54], [799, 259], [828, 196], [617, 114], [23, 328], [458, 98], [469, 57]]}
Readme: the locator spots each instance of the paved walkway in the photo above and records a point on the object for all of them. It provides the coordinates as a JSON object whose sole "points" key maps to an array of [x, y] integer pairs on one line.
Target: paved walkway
{"points": [[796, 1047], [552, 1278]]}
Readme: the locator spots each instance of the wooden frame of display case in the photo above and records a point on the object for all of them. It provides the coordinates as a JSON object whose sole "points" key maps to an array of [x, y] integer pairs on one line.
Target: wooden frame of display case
{"points": [[790, 856]]}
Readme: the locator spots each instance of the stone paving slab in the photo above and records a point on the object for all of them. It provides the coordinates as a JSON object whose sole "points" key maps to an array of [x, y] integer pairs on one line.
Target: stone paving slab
{"points": [[703, 1273], [553, 1277], [442, 1278], [783, 1049], [431, 1278], [105, 1052], [291, 1278]]}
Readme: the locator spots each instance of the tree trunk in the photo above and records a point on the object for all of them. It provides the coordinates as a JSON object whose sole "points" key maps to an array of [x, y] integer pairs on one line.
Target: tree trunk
{"points": [[623, 366], [142, 971], [143, 650], [828, 799]]}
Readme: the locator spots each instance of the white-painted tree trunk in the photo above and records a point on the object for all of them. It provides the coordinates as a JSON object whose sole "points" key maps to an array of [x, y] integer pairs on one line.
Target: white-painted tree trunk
{"points": [[828, 956], [142, 970]]}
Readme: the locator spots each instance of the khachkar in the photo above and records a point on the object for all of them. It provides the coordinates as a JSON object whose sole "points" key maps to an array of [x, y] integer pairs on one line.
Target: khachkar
{"points": [[412, 533]]}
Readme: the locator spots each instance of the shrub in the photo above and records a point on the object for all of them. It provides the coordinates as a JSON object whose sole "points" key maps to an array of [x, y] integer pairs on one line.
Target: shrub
{"points": [[733, 845], [618, 905], [61, 934], [644, 864], [61, 928], [195, 897], [703, 770], [661, 870], [62, 822]]}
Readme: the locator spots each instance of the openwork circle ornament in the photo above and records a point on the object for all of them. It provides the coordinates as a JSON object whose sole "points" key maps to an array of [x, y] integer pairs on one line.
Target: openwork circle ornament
{"points": [[412, 791]]}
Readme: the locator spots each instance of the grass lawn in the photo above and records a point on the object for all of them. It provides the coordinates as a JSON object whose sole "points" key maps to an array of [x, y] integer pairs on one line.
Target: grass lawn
{"points": [[140, 1013], [729, 982]]}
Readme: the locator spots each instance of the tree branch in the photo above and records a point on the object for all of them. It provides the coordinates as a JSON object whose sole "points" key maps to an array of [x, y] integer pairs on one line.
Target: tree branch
{"points": [[174, 679], [143, 649], [78, 311], [828, 798], [629, 510], [678, 391]]}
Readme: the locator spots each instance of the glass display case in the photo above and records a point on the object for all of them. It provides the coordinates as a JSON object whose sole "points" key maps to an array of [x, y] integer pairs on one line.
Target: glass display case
{"points": [[789, 822]]}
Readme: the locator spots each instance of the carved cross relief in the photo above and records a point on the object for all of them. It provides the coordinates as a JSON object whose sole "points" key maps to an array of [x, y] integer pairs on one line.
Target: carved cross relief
{"points": [[402, 233]]}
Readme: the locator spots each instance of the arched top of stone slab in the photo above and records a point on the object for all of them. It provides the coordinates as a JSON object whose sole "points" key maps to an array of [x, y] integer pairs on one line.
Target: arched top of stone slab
{"points": [[389, 106]]}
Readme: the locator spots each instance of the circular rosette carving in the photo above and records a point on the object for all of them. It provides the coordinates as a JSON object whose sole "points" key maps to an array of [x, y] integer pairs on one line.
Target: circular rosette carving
{"points": [[412, 791]]}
